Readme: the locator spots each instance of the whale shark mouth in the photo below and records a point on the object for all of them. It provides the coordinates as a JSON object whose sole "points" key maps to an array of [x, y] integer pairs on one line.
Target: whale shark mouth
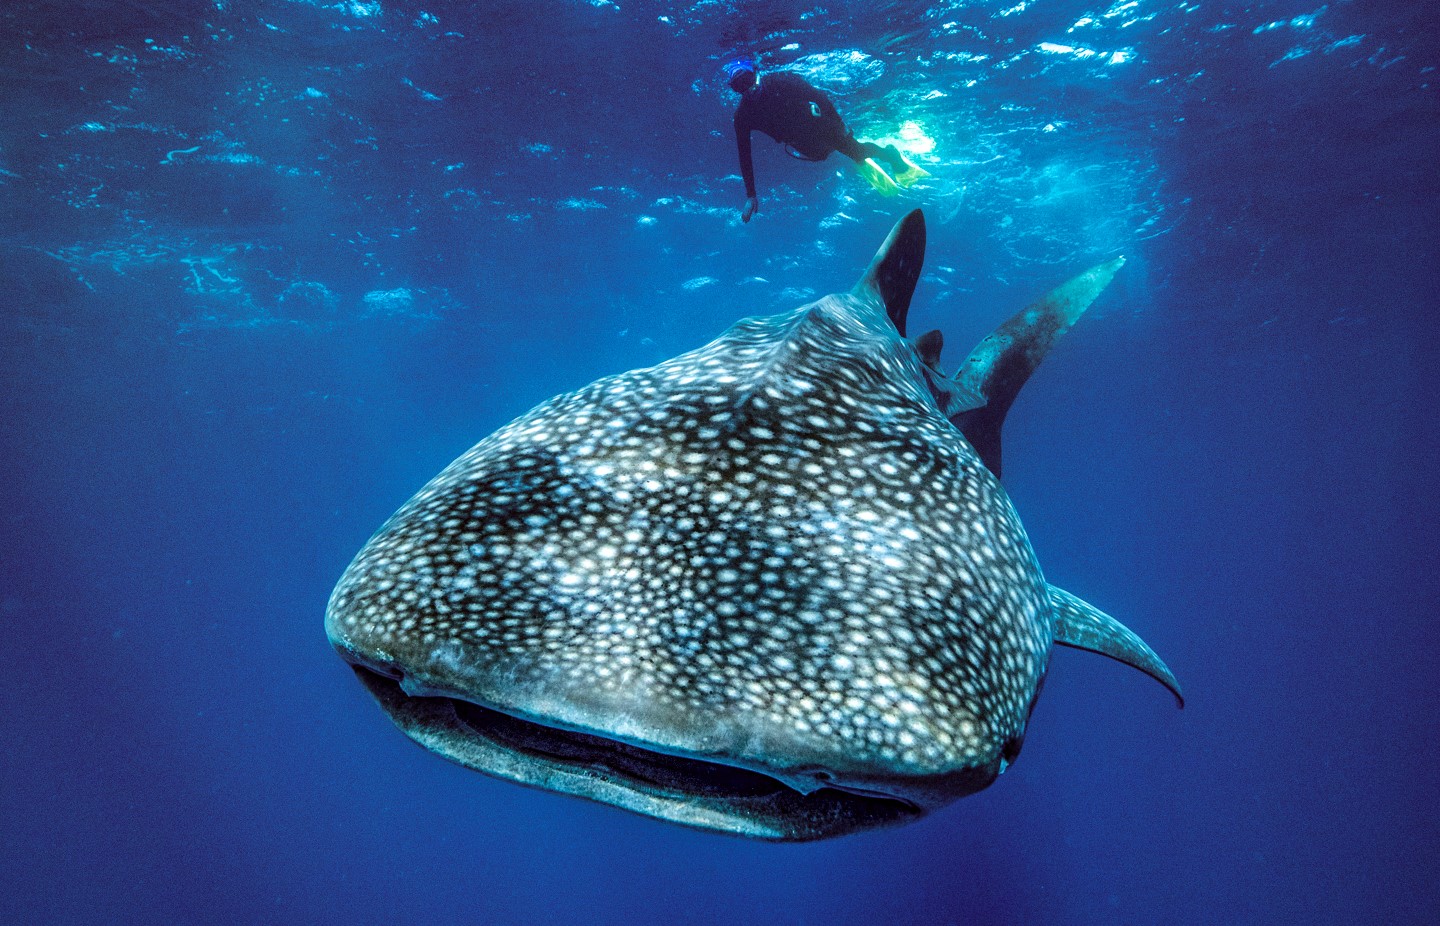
{"points": [[696, 792]]}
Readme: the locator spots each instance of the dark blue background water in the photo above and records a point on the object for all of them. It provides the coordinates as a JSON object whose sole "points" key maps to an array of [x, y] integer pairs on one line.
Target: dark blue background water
{"points": [[268, 267]]}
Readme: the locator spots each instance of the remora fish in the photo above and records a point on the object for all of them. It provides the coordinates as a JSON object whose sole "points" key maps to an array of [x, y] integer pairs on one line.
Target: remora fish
{"points": [[771, 587]]}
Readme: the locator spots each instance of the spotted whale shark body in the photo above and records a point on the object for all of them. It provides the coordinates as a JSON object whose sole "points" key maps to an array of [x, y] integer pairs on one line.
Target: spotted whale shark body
{"points": [[771, 587]]}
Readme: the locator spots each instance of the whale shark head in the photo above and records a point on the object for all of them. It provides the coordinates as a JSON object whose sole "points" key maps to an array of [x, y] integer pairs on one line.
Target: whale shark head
{"points": [[772, 587]]}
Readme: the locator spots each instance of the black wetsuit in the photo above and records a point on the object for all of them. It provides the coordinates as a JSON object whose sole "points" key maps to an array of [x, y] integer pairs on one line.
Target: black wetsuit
{"points": [[790, 110]]}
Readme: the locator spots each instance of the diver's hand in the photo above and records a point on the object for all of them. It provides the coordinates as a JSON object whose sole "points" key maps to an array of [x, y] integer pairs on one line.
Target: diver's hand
{"points": [[752, 205]]}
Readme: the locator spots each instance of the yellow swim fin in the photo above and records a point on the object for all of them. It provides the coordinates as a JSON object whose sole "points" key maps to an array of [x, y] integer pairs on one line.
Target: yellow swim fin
{"points": [[911, 175], [875, 175]]}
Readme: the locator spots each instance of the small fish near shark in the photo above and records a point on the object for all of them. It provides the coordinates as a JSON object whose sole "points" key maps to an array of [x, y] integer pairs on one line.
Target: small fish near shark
{"points": [[771, 587]]}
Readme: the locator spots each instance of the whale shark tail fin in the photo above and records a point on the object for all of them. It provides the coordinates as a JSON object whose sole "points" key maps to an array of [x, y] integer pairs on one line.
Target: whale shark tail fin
{"points": [[1000, 364], [896, 268], [1084, 626]]}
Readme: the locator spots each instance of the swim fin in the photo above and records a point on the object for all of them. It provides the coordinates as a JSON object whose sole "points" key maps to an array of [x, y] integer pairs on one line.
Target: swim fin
{"points": [[875, 175], [911, 175]]}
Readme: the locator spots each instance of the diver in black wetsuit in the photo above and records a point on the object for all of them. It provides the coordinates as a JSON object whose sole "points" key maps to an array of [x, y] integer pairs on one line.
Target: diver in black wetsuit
{"points": [[801, 117]]}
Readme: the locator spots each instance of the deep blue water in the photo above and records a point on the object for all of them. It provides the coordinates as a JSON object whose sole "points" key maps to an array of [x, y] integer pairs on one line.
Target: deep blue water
{"points": [[270, 266]]}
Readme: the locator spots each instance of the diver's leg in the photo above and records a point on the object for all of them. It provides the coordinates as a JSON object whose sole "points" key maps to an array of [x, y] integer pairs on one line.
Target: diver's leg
{"points": [[887, 153], [858, 151], [853, 149]]}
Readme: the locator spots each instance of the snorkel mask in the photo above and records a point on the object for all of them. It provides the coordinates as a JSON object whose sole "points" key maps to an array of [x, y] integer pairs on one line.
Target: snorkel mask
{"points": [[740, 74]]}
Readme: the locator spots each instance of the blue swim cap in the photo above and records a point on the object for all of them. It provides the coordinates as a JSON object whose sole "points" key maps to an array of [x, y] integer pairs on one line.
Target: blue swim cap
{"points": [[738, 65]]}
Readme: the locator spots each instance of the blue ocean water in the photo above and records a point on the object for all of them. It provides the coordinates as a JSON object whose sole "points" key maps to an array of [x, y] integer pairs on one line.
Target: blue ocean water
{"points": [[270, 266]]}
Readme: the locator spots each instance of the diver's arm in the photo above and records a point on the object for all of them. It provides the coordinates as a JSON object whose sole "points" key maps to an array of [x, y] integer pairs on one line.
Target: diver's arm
{"points": [[747, 164]]}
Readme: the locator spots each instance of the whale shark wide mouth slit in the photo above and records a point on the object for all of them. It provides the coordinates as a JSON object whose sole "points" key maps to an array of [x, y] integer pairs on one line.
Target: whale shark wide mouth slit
{"points": [[639, 766], [463, 730]]}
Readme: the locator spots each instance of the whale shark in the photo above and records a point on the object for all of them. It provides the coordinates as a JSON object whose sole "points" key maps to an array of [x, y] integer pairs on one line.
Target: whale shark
{"points": [[772, 587]]}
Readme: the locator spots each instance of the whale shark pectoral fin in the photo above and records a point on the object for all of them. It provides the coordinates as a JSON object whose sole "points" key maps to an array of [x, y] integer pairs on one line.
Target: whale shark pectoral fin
{"points": [[896, 268], [1085, 626], [1000, 364]]}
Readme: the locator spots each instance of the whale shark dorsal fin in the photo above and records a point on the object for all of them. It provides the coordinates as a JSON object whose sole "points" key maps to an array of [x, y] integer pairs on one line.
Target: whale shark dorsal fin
{"points": [[928, 346], [1084, 626], [896, 268], [1000, 364]]}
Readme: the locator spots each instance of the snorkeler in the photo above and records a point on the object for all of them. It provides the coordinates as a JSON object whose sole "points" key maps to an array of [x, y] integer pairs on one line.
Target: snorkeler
{"points": [[801, 117]]}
